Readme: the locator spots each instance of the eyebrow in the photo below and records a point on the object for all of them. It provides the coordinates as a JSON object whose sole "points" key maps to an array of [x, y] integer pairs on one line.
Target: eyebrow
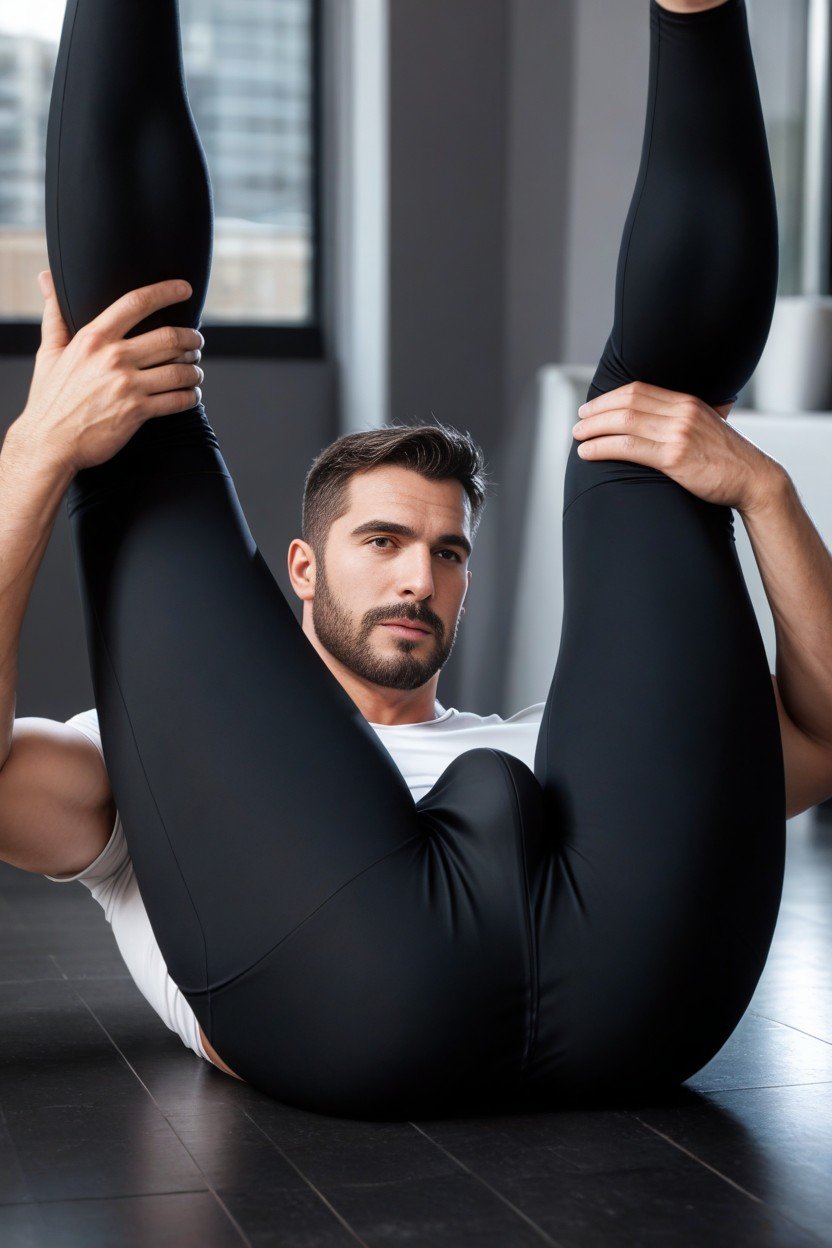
{"points": [[404, 530]]}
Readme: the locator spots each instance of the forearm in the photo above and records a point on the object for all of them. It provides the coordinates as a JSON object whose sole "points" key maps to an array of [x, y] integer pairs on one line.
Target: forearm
{"points": [[30, 495], [796, 568]]}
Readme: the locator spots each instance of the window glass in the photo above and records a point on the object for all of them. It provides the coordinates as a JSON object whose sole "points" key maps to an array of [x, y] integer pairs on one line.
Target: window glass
{"points": [[248, 69], [778, 32]]}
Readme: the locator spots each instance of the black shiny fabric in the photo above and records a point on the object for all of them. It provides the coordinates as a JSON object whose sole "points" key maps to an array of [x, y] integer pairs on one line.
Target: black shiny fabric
{"points": [[520, 938]]}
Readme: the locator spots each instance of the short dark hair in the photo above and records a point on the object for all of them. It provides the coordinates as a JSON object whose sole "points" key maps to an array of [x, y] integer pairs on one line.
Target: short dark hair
{"points": [[435, 451]]}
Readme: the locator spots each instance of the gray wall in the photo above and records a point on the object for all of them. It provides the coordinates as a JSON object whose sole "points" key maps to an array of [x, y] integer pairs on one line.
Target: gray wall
{"points": [[515, 136], [449, 90]]}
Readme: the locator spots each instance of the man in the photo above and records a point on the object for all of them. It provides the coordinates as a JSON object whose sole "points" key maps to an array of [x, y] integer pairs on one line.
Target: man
{"points": [[383, 578]]}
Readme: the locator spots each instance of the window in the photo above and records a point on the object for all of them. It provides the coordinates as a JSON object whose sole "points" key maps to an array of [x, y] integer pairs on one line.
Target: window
{"points": [[252, 70], [779, 40]]}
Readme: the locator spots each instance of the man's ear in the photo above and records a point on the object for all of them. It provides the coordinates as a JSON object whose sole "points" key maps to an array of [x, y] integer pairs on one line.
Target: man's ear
{"points": [[467, 587], [301, 565]]}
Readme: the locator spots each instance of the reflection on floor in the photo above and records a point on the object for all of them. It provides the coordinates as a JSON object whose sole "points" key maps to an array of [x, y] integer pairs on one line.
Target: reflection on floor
{"points": [[113, 1134]]}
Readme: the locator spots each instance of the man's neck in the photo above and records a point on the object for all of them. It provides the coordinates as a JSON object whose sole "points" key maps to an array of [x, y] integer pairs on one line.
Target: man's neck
{"points": [[392, 706], [386, 713]]}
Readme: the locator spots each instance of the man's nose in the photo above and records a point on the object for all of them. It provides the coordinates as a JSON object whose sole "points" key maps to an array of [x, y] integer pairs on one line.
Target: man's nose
{"points": [[416, 573]]}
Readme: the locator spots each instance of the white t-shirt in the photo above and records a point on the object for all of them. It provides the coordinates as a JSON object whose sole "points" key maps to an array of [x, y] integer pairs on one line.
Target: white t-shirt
{"points": [[421, 751]]}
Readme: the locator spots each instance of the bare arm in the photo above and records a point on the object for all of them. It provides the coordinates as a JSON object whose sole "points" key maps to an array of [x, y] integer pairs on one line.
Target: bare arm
{"points": [[30, 496], [806, 763], [56, 809], [796, 569]]}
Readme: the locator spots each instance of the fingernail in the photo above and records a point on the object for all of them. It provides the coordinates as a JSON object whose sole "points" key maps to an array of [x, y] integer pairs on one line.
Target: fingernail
{"points": [[582, 409], [184, 288]]}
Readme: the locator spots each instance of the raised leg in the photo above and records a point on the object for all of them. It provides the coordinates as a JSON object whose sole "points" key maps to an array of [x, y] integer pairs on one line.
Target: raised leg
{"points": [[232, 751], [659, 752]]}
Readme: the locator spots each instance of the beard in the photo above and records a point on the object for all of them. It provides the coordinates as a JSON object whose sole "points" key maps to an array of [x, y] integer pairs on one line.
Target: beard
{"points": [[414, 662]]}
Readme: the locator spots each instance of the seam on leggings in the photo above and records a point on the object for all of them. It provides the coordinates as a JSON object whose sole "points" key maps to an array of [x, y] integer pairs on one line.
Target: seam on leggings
{"points": [[531, 940], [616, 480], [231, 979], [652, 120], [565, 866], [58, 166], [152, 795]]}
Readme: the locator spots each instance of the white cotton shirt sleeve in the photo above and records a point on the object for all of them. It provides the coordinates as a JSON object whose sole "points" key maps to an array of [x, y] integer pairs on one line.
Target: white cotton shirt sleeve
{"points": [[112, 882]]}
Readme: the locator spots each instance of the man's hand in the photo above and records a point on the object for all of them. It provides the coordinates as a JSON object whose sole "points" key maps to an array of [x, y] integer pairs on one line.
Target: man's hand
{"points": [[681, 436], [90, 393]]}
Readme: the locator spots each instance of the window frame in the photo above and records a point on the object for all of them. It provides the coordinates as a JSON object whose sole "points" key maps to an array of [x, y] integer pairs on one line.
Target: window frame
{"points": [[243, 340]]}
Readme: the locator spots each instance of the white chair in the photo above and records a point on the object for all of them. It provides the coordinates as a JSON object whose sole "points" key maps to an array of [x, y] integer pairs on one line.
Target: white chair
{"points": [[801, 442]]}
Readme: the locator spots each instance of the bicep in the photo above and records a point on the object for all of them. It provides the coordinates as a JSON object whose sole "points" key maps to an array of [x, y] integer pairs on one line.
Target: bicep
{"points": [[56, 806], [807, 764]]}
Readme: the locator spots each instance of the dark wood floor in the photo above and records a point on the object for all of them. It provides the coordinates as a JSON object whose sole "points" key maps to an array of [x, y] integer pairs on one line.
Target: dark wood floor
{"points": [[113, 1134]]}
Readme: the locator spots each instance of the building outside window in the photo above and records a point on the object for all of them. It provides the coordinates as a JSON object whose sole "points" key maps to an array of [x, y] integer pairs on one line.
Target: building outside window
{"points": [[251, 80]]}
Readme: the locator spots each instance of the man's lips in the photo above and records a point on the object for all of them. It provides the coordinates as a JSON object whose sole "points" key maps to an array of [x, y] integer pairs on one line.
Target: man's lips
{"points": [[407, 628]]}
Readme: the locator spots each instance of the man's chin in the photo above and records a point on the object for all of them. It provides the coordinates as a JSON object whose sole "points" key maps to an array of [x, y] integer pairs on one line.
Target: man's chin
{"points": [[394, 675]]}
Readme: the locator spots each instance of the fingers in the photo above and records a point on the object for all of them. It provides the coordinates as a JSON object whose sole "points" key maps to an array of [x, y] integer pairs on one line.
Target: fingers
{"points": [[54, 332], [623, 420], [168, 404], [128, 311], [172, 377], [634, 450], [653, 398], [164, 346]]}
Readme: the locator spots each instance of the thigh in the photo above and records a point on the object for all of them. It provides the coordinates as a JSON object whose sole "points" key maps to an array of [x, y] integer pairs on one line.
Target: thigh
{"points": [[660, 761], [249, 784]]}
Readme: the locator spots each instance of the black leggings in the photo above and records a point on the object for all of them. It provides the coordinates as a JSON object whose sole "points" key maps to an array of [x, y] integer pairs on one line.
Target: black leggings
{"points": [[515, 938]]}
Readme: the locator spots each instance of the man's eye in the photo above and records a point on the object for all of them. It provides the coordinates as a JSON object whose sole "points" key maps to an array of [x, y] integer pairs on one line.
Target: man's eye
{"points": [[452, 553]]}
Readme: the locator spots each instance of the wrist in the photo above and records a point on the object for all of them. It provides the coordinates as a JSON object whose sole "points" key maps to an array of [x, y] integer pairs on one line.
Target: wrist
{"points": [[771, 486], [24, 451]]}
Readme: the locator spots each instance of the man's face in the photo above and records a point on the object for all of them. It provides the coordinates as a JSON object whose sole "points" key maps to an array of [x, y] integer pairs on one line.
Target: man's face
{"points": [[372, 573]]}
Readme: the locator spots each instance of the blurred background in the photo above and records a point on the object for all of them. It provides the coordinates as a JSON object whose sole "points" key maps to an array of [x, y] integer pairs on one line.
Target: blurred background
{"points": [[418, 209]]}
